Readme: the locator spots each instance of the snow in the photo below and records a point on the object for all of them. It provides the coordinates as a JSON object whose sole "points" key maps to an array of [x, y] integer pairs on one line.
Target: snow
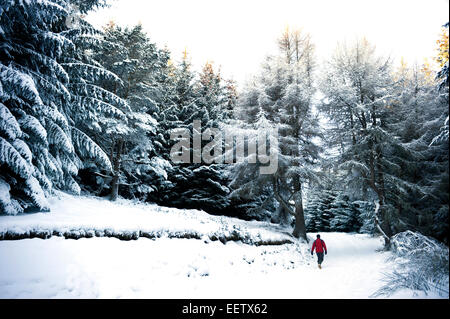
{"points": [[159, 166], [164, 267], [14, 160], [9, 205], [33, 126], [88, 148], [21, 82], [90, 214], [8, 123], [23, 150]]}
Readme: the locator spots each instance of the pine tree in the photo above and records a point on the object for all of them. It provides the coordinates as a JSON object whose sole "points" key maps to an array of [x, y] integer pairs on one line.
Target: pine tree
{"points": [[442, 77], [358, 86], [282, 100], [195, 184], [40, 148], [230, 96], [441, 217], [129, 138], [319, 212], [366, 216], [421, 109], [251, 188], [385, 125], [345, 215], [210, 94]]}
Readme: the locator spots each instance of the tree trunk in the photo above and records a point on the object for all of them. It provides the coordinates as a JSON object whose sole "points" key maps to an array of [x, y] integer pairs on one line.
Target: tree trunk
{"points": [[283, 216], [382, 221], [300, 227], [352, 128], [383, 226], [381, 216], [116, 171], [114, 187], [376, 182]]}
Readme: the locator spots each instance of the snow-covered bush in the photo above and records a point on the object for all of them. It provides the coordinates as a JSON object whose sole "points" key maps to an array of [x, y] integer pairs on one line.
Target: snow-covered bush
{"points": [[422, 265]]}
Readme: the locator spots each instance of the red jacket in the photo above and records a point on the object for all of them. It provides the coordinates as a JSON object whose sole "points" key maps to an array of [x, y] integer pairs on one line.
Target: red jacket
{"points": [[319, 245]]}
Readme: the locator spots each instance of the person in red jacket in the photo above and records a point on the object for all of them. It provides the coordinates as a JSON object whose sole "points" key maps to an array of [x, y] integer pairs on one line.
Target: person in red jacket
{"points": [[321, 248]]}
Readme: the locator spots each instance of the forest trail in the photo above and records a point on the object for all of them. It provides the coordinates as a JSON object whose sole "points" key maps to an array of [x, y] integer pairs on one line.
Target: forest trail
{"points": [[167, 267], [188, 268], [352, 268]]}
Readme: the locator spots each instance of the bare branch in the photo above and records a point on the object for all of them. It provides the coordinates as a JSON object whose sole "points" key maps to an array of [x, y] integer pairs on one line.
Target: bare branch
{"points": [[284, 204], [102, 175]]}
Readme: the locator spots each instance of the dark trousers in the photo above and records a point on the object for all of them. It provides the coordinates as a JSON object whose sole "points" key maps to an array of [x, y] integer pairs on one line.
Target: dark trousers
{"points": [[319, 258]]}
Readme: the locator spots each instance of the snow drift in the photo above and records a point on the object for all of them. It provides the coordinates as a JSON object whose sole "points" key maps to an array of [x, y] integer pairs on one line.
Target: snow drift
{"points": [[77, 217]]}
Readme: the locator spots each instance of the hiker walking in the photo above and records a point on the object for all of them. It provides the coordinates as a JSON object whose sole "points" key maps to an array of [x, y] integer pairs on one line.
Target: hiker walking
{"points": [[320, 247]]}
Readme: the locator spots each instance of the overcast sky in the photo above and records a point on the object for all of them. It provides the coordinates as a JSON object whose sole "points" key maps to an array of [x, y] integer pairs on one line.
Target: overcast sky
{"points": [[238, 34]]}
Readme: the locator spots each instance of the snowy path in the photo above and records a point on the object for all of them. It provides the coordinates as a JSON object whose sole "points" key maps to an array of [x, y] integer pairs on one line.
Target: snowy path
{"points": [[188, 268], [351, 269], [102, 267]]}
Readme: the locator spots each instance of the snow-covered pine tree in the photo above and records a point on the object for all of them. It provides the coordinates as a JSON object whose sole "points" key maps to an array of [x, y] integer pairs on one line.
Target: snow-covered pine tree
{"points": [[356, 86], [249, 103], [319, 212], [211, 188], [180, 104], [252, 191], [288, 80], [284, 101], [442, 58], [361, 97], [313, 208], [129, 137], [192, 185], [230, 99], [345, 216], [37, 152], [211, 94], [420, 110], [441, 217], [366, 216]]}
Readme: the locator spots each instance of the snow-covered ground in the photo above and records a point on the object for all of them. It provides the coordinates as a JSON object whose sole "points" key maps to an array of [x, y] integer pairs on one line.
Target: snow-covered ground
{"points": [[89, 217], [163, 267]]}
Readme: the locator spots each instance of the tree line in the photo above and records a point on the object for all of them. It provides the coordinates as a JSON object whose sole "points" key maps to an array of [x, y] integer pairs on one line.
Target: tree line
{"points": [[362, 143]]}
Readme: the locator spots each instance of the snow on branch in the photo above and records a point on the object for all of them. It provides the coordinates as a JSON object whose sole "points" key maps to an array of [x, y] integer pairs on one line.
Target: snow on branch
{"points": [[12, 159], [8, 123], [19, 84], [91, 72], [355, 166], [87, 148]]}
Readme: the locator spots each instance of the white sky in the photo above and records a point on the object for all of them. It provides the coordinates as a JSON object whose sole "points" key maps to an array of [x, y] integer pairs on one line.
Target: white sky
{"points": [[238, 34]]}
